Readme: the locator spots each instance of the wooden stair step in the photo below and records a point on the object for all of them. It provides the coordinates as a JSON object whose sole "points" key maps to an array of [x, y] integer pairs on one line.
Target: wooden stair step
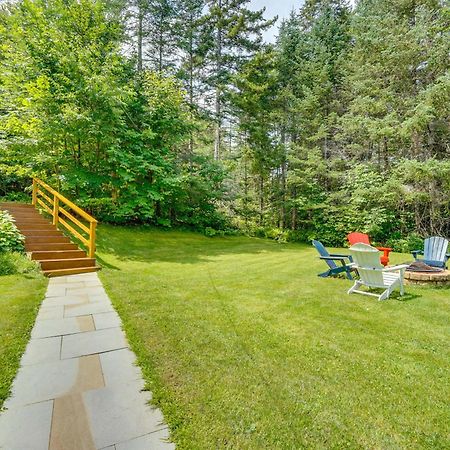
{"points": [[45, 244], [50, 246], [28, 216], [28, 222], [39, 233], [57, 254], [74, 271], [16, 206], [47, 240], [68, 263], [35, 226]]}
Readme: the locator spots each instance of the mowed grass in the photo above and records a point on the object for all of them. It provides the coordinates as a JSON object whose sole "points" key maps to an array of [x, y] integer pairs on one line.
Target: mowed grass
{"points": [[20, 297], [245, 347]]}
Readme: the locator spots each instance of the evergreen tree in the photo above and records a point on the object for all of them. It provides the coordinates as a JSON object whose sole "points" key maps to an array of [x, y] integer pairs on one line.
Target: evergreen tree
{"points": [[193, 43], [237, 35], [312, 45], [396, 92], [154, 22], [256, 102]]}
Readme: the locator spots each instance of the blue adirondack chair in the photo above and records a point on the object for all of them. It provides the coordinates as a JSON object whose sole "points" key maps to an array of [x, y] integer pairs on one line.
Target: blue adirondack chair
{"points": [[345, 260], [434, 252]]}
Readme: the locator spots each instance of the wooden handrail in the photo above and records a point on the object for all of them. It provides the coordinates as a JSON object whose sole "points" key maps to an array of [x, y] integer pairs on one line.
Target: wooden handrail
{"points": [[58, 204]]}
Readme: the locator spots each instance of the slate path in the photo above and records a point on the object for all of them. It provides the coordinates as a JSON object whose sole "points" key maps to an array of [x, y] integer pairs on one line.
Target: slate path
{"points": [[77, 387]]}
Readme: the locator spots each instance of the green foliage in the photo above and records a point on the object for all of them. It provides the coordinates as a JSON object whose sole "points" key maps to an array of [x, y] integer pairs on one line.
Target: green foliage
{"points": [[78, 114], [354, 113], [12, 263], [11, 240], [342, 125], [405, 245]]}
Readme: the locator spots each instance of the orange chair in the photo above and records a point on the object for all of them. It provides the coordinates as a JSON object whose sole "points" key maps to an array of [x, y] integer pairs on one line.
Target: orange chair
{"points": [[357, 238]]}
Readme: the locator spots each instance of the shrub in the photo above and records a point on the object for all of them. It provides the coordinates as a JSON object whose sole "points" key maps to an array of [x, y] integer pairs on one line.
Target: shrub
{"points": [[210, 232], [13, 263], [412, 242], [10, 238]]}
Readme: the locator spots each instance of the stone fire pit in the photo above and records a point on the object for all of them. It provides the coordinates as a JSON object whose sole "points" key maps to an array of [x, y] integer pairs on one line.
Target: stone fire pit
{"points": [[420, 273]]}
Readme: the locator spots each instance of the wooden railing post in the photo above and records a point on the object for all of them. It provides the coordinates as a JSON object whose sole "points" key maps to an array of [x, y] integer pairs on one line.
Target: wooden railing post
{"points": [[54, 203], [55, 210], [92, 230], [34, 195]]}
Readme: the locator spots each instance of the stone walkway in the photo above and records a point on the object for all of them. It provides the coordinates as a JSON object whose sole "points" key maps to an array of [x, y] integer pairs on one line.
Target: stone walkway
{"points": [[77, 387]]}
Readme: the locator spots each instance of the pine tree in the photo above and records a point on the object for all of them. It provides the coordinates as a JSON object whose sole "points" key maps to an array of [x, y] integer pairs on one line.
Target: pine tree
{"points": [[154, 23], [395, 86], [237, 34], [193, 43], [256, 102], [312, 45]]}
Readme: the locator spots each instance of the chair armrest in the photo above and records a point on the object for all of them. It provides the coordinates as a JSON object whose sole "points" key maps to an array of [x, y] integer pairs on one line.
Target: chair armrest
{"points": [[350, 257], [333, 257], [384, 249], [417, 252], [396, 268]]}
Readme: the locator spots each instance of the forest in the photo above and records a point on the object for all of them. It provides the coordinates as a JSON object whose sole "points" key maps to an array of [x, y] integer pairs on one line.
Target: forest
{"points": [[177, 113]]}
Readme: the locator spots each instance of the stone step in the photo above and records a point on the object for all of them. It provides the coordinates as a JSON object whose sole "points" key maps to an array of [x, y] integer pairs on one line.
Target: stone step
{"points": [[57, 254], [72, 263]]}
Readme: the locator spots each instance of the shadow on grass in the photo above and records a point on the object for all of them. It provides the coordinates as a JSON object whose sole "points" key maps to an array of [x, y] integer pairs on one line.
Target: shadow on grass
{"points": [[407, 297], [145, 244], [106, 264]]}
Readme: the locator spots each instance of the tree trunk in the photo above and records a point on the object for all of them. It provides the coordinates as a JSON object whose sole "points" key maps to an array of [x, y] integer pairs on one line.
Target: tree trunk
{"points": [[218, 105], [294, 213], [160, 48], [139, 39], [283, 193], [261, 200], [386, 154], [191, 89]]}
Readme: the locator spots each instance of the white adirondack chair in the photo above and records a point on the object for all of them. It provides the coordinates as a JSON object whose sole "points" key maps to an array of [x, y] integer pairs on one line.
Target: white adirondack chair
{"points": [[373, 274]]}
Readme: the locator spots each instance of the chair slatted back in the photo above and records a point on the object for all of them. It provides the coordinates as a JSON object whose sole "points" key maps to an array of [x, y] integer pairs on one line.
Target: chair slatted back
{"points": [[368, 264], [358, 238], [435, 248], [324, 252]]}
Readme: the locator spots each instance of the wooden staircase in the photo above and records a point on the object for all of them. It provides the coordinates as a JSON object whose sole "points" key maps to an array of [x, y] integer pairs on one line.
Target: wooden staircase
{"points": [[47, 245]]}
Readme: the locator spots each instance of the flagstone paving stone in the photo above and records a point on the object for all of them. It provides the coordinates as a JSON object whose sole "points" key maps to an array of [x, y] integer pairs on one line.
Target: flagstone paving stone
{"points": [[153, 441], [119, 367], [87, 308], [41, 382], [78, 386], [121, 414], [55, 327], [65, 300], [106, 320], [50, 312], [40, 351], [98, 341], [26, 428]]}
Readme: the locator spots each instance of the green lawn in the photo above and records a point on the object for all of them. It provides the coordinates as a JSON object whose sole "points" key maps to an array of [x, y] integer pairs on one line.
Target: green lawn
{"points": [[245, 347], [20, 297]]}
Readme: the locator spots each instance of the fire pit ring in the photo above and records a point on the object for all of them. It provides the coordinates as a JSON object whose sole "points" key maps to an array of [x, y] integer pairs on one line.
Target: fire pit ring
{"points": [[422, 274]]}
